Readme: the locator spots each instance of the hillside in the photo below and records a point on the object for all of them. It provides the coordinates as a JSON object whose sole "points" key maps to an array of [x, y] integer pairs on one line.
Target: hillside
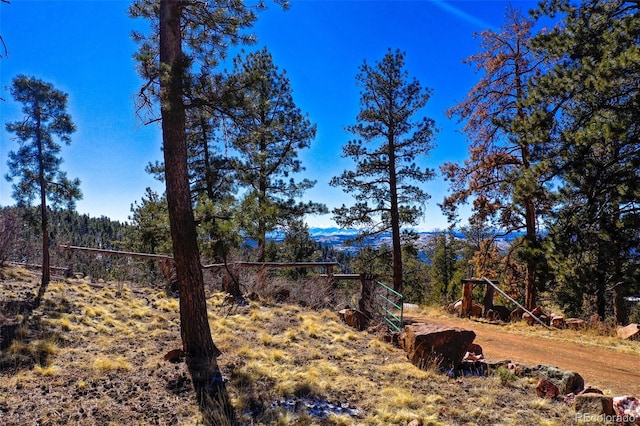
{"points": [[93, 355]]}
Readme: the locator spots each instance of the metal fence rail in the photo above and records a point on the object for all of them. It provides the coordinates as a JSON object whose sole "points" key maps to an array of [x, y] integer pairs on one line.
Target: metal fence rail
{"points": [[391, 305]]}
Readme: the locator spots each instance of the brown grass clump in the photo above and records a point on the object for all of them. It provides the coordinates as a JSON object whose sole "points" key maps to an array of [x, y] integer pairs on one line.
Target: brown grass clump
{"points": [[283, 365]]}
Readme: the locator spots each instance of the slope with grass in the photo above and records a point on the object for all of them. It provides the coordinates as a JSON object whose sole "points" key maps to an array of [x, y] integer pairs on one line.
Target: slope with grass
{"points": [[93, 355]]}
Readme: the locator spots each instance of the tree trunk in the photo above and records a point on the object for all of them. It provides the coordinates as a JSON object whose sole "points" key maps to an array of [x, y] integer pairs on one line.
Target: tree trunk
{"points": [[44, 217], [395, 219], [620, 312], [530, 292], [194, 324], [397, 256], [46, 259]]}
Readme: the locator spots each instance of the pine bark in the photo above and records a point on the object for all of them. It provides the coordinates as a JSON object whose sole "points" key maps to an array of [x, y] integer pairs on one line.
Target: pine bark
{"points": [[44, 218], [194, 325]]}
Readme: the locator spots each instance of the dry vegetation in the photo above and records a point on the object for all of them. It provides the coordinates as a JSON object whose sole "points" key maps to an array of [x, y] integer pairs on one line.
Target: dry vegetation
{"points": [[94, 356]]}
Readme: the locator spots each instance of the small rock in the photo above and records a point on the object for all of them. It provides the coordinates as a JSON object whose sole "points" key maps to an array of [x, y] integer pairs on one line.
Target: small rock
{"points": [[557, 321], [575, 323], [475, 349], [537, 312], [627, 407], [415, 422], [593, 404], [354, 318], [516, 314], [546, 389], [566, 381], [630, 332], [476, 308], [175, 356], [498, 312], [591, 390]]}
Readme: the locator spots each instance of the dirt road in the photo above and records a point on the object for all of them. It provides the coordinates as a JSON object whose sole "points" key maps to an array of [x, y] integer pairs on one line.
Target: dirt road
{"points": [[601, 367]]}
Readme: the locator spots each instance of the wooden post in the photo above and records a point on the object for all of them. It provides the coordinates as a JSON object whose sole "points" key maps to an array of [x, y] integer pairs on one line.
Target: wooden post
{"points": [[365, 302], [467, 298], [330, 278], [487, 301]]}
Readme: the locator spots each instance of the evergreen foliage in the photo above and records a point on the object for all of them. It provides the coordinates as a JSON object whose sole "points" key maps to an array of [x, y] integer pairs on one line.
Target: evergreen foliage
{"points": [[447, 266], [66, 227], [267, 131], [593, 145], [388, 144], [35, 166]]}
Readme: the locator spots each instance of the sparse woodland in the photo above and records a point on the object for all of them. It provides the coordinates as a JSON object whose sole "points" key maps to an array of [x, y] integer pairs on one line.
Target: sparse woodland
{"points": [[553, 163]]}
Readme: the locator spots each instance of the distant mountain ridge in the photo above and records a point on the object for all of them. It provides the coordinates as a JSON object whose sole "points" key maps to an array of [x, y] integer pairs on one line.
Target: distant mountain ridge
{"points": [[337, 238]]}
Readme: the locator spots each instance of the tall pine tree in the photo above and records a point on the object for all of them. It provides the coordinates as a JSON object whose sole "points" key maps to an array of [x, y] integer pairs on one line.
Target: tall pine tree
{"points": [[181, 34], [501, 176], [36, 164], [595, 149], [267, 132], [389, 142]]}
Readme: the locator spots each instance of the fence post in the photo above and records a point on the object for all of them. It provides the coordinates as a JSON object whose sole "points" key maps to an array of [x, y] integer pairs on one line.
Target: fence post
{"points": [[330, 279], [467, 299], [487, 301], [365, 302]]}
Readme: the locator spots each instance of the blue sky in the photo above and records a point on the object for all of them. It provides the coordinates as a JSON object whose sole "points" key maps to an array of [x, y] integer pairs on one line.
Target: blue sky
{"points": [[83, 48]]}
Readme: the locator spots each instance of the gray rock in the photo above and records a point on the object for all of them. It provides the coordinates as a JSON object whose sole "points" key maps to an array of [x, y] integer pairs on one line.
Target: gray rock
{"points": [[566, 381]]}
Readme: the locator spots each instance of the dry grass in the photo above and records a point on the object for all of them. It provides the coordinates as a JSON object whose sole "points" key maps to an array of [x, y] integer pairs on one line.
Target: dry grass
{"points": [[101, 362]]}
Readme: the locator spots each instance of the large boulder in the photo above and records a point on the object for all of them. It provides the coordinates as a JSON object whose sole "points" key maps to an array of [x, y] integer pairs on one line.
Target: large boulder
{"points": [[430, 345], [630, 332], [566, 381]]}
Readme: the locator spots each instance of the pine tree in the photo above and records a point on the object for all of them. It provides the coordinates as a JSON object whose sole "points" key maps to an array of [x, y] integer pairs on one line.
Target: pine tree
{"points": [[443, 251], [383, 182], [149, 231], [594, 147], [501, 175], [268, 131], [36, 164], [184, 33]]}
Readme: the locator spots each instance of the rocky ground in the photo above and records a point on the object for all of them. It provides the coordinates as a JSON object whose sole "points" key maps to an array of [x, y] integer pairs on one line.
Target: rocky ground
{"points": [[608, 363]]}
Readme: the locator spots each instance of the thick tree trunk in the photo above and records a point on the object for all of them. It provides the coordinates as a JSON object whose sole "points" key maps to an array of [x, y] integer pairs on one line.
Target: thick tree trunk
{"points": [[395, 220], [620, 313], [46, 258], [530, 292], [194, 324], [44, 217]]}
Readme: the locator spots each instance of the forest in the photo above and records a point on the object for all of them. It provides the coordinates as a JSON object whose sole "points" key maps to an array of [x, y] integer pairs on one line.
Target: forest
{"points": [[553, 154], [552, 126]]}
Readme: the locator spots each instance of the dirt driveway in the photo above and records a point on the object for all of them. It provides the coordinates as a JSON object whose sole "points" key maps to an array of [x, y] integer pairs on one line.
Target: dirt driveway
{"points": [[600, 367]]}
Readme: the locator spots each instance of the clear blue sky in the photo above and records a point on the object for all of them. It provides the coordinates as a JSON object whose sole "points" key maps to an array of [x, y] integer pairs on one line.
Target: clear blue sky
{"points": [[83, 48]]}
